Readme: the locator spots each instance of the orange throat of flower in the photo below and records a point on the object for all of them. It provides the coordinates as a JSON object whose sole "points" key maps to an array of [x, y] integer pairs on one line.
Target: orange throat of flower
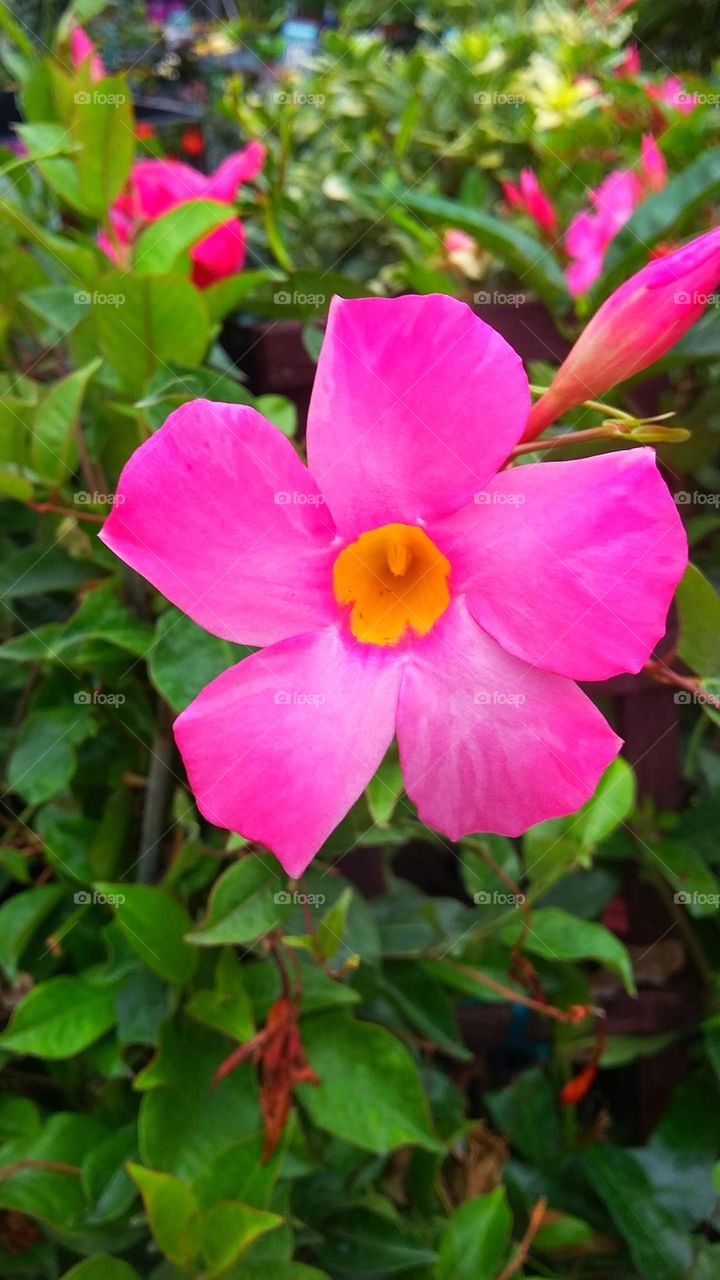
{"points": [[395, 579]]}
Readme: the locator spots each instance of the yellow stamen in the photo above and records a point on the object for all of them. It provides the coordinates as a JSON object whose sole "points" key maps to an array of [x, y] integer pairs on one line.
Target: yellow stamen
{"points": [[395, 579]]}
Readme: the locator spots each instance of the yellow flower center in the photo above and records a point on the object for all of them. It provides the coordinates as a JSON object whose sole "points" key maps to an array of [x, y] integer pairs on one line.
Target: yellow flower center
{"points": [[395, 579]]}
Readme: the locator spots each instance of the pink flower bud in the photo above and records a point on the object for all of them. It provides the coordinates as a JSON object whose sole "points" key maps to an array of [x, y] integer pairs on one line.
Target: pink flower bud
{"points": [[633, 328], [653, 163]]}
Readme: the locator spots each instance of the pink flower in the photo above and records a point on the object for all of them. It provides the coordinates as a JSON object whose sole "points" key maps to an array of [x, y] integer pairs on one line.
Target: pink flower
{"points": [[401, 585], [157, 186], [671, 92], [630, 65], [590, 232], [653, 162], [82, 48], [634, 327], [529, 196], [458, 242]]}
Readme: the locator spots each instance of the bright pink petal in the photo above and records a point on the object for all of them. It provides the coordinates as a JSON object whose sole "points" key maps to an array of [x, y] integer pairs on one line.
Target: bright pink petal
{"points": [[218, 512], [416, 404], [81, 48], [219, 254], [571, 566], [280, 746], [241, 166], [490, 744], [160, 185]]}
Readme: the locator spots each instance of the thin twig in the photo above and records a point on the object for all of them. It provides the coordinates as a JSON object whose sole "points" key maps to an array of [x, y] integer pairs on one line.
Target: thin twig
{"points": [[536, 1220]]}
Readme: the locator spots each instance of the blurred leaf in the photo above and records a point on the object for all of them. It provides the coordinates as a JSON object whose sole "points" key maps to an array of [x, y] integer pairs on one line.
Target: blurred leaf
{"points": [[43, 761], [164, 240], [699, 609], [144, 322], [474, 1240], [384, 790], [59, 1018], [612, 803], [154, 925], [360, 1242], [172, 1212], [556, 935], [54, 447], [103, 129], [101, 1267], [20, 917], [246, 902], [365, 1062]]}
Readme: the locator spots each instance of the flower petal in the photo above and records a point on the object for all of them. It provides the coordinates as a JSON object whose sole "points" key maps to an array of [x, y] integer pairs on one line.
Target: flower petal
{"points": [[571, 565], [219, 254], [280, 746], [241, 166], [159, 185], [218, 512], [489, 744], [416, 404]]}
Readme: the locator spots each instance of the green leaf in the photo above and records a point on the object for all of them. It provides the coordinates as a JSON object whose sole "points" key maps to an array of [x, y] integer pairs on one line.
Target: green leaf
{"points": [[103, 129], [184, 658], [328, 937], [79, 260], [164, 240], [144, 322], [20, 916], [44, 761], [612, 803], [556, 935], [385, 789], [362, 1061], [280, 411], [59, 1018], [154, 925], [658, 216], [101, 1267], [172, 1212], [527, 258], [229, 1012], [54, 451], [658, 1249], [474, 1241], [357, 1241], [246, 902], [227, 295], [699, 609], [424, 1003], [226, 1231]]}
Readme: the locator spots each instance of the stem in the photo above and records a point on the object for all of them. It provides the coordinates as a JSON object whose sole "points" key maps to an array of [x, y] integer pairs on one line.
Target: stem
{"points": [[533, 1226], [606, 432], [657, 670], [571, 1015], [157, 798], [51, 1166], [51, 509]]}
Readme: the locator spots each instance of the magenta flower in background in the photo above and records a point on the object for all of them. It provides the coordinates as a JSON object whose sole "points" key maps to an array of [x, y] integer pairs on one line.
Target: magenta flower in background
{"points": [[630, 65], [157, 186], [82, 48], [401, 583], [529, 196], [634, 327], [590, 232], [671, 92], [653, 163]]}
